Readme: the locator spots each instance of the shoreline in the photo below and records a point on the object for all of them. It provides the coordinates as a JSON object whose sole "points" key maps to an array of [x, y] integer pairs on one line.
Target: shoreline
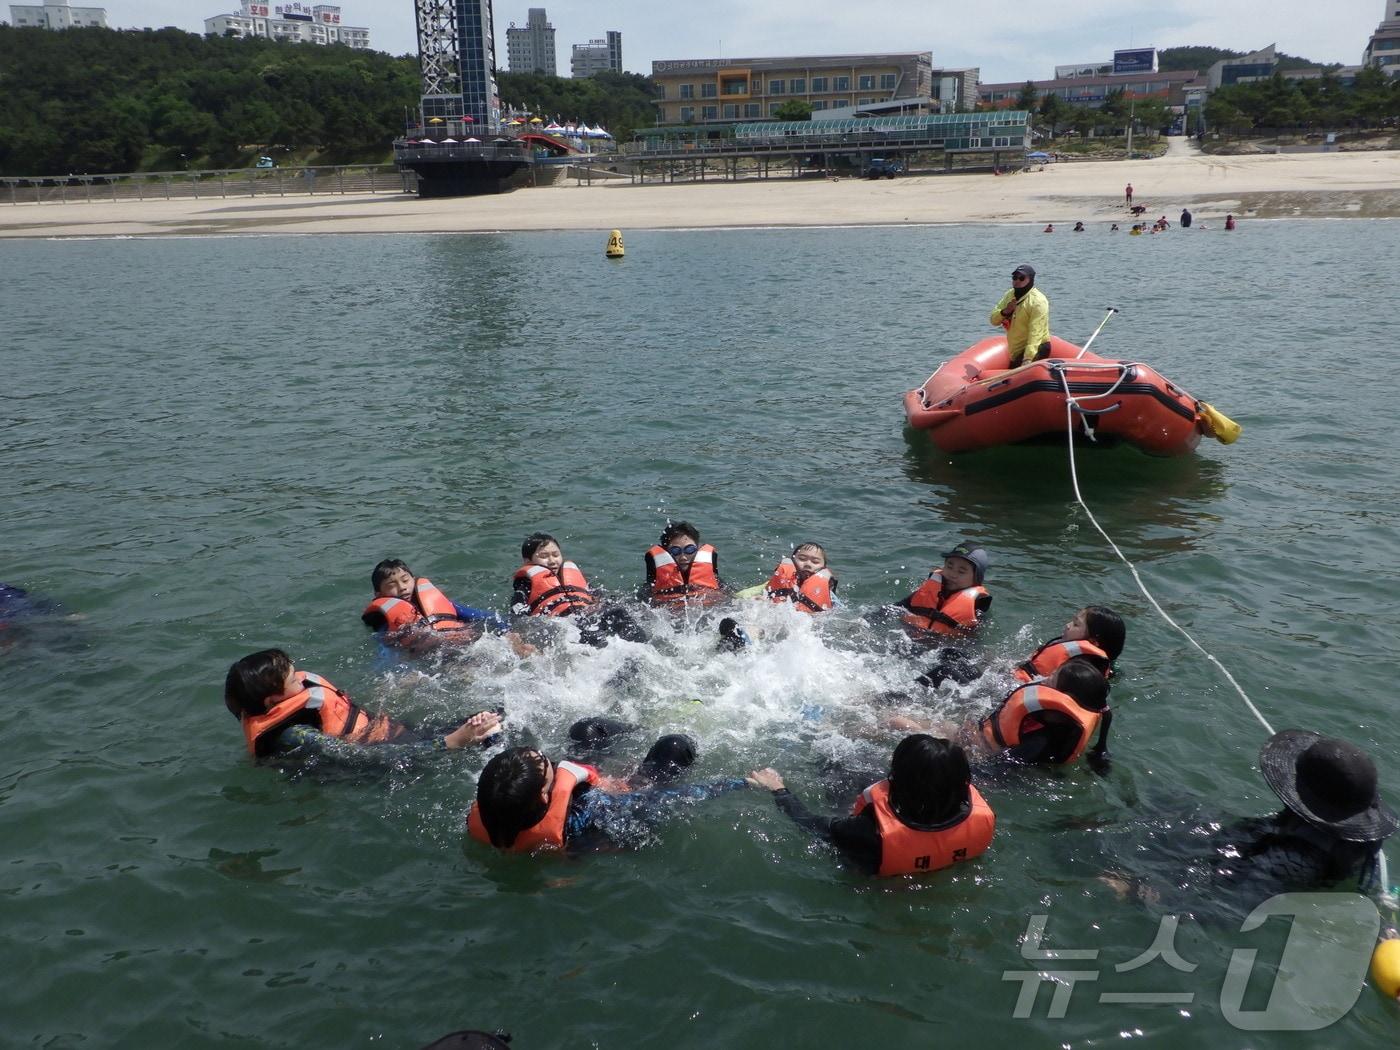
{"points": [[1361, 185]]}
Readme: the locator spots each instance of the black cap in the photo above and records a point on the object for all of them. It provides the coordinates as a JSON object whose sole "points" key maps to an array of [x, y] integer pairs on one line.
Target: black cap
{"points": [[1025, 270], [974, 553]]}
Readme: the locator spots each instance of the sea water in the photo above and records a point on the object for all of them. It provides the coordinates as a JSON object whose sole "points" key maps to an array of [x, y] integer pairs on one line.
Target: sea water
{"points": [[208, 443]]}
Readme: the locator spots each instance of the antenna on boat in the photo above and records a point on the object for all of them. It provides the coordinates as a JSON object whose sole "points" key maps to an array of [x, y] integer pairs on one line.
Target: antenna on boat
{"points": [[1111, 311]]}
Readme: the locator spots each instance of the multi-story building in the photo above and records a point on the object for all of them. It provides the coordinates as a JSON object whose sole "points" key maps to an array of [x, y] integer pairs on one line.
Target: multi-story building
{"points": [[597, 56], [56, 14], [1257, 65], [720, 90], [530, 48], [1093, 91], [1383, 49], [292, 21], [955, 89]]}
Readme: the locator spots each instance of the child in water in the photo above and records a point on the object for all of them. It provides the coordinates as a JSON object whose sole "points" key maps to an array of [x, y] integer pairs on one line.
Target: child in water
{"points": [[282, 709], [1095, 633], [681, 571], [547, 585], [952, 602], [1046, 722], [924, 816], [525, 802], [414, 615], [804, 580]]}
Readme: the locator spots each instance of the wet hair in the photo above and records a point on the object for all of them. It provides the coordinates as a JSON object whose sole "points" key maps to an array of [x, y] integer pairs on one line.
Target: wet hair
{"points": [[929, 780], [534, 542], [674, 529], [508, 794], [251, 680], [1105, 628], [1080, 680], [809, 545], [383, 570]]}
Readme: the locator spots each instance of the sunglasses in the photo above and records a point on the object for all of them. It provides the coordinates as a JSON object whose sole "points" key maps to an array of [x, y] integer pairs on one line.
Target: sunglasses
{"points": [[1019, 277], [676, 552]]}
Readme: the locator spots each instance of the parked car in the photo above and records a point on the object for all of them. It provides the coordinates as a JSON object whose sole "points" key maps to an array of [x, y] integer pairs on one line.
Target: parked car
{"points": [[889, 167], [266, 162]]}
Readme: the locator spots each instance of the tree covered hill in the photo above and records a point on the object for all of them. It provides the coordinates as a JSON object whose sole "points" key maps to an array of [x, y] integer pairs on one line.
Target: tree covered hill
{"points": [[94, 100], [1201, 58], [102, 100]]}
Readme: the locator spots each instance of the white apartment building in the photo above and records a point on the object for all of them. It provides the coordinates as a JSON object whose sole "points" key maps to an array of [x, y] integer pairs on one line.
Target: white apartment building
{"points": [[57, 14], [530, 48], [597, 56], [293, 21], [1383, 49]]}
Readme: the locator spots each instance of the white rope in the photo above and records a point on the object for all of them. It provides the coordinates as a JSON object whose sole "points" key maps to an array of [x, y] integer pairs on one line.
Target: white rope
{"points": [[1071, 403]]}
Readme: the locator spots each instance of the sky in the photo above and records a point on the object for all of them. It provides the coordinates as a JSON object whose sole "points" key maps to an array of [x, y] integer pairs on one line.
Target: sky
{"points": [[1008, 41]]}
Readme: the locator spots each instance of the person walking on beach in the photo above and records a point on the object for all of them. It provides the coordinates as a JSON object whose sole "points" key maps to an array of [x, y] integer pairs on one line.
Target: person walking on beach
{"points": [[1128, 195], [1025, 314]]}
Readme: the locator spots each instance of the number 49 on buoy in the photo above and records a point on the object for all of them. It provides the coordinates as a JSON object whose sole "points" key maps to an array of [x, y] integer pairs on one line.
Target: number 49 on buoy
{"points": [[615, 250]]}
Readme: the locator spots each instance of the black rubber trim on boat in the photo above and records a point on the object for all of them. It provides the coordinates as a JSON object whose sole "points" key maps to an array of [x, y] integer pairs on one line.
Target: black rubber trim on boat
{"points": [[1080, 389]]}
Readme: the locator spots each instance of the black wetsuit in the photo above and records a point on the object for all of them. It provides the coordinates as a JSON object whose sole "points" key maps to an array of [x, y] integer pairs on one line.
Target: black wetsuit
{"points": [[1192, 865], [1051, 744], [600, 819], [857, 837], [1284, 852]]}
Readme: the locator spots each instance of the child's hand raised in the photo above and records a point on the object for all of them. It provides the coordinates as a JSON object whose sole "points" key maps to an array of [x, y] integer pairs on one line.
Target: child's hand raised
{"points": [[474, 730]]}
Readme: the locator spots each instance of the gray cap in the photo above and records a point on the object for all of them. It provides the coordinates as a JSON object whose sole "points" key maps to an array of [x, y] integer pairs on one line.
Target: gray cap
{"points": [[1025, 268], [969, 551]]}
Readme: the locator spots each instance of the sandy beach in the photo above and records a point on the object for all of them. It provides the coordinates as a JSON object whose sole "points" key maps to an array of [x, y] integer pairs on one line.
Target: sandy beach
{"points": [[1339, 185]]}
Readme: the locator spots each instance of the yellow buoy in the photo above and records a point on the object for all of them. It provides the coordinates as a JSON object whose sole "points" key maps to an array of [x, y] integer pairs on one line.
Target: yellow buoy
{"points": [[615, 250], [1218, 425], [1385, 968]]}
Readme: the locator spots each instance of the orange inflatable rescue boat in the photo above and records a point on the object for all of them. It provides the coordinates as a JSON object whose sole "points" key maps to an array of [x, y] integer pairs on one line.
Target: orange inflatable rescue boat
{"points": [[977, 400]]}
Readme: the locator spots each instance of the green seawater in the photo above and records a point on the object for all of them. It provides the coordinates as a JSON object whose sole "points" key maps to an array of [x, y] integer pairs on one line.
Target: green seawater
{"points": [[208, 443]]}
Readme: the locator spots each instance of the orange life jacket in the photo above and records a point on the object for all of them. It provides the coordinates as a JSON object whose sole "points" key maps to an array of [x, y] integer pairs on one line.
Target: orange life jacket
{"points": [[812, 596], [1016, 715], [428, 607], [336, 715], [907, 851], [552, 595], [548, 833], [932, 610], [1056, 652], [701, 585]]}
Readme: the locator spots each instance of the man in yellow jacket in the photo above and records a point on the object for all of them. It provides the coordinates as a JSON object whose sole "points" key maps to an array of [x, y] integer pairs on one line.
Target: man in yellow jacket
{"points": [[1025, 314]]}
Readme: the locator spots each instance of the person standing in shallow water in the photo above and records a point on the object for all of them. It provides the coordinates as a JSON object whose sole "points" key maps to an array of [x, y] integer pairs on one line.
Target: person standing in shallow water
{"points": [[1025, 314]]}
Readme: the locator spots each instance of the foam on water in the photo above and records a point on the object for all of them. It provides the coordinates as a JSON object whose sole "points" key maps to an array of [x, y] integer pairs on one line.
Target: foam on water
{"points": [[806, 690]]}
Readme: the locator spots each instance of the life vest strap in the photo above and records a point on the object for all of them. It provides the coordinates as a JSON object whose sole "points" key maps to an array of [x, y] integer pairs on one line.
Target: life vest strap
{"points": [[352, 718]]}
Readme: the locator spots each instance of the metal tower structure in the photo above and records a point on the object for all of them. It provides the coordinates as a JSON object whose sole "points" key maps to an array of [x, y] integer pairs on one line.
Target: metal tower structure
{"points": [[457, 56]]}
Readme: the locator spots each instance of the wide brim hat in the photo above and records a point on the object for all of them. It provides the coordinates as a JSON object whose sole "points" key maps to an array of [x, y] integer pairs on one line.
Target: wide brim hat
{"points": [[1329, 783]]}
